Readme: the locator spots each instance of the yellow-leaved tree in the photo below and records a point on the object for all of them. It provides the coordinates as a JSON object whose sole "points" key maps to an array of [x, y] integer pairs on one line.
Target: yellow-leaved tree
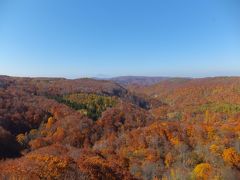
{"points": [[202, 171], [231, 156]]}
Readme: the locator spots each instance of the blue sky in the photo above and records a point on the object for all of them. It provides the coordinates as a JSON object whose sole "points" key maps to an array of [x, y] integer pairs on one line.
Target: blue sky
{"points": [[75, 38]]}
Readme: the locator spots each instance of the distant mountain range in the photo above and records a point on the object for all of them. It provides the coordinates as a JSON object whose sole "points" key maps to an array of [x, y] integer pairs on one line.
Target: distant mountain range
{"points": [[141, 80], [138, 80]]}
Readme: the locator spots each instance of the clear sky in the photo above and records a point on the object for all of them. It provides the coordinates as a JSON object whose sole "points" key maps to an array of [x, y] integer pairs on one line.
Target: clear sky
{"points": [[74, 38]]}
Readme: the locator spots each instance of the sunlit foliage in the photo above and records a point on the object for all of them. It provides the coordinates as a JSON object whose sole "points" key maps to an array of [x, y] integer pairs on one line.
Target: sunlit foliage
{"points": [[202, 171], [85, 129]]}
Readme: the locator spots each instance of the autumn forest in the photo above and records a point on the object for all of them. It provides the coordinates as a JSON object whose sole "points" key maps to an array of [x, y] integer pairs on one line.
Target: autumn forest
{"points": [[120, 128]]}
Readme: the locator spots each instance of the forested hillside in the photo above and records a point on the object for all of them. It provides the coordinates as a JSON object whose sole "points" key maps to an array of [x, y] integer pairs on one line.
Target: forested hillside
{"points": [[138, 80], [55, 128]]}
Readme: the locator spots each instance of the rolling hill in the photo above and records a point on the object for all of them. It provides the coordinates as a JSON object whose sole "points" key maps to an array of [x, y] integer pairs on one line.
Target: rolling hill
{"points": [[138, 80], [173, 128]]}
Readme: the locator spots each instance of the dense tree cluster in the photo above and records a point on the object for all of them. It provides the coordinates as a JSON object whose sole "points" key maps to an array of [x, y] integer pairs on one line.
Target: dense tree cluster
{"points": [[90, 104], [89, 129]]}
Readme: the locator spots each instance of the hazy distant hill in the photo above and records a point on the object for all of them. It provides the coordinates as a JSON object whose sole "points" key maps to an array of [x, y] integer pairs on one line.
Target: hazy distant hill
{"points": [[138, 80]]}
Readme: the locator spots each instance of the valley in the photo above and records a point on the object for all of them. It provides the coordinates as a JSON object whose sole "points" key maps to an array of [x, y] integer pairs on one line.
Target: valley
{"points": [[175, 128]]}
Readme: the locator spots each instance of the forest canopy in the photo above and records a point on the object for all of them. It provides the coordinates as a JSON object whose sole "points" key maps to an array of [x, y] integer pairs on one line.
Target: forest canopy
{"points": [[90, 129]]}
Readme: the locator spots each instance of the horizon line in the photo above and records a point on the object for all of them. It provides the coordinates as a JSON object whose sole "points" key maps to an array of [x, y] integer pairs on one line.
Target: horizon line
{"points": [[121, 76]]}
